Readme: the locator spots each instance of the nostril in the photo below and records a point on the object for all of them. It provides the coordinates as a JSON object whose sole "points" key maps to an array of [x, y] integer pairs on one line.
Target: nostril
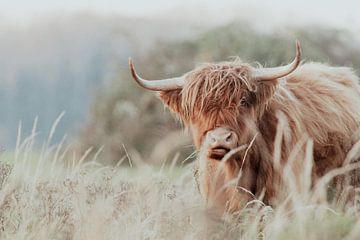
{"points": [[228, 137]]}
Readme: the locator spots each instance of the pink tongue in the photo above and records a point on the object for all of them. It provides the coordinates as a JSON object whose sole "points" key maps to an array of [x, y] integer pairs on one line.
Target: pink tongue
{"points": [[217, 153]]}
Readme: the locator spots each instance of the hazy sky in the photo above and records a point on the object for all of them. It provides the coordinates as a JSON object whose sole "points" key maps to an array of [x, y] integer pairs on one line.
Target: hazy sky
{"points": [[344, 13]]}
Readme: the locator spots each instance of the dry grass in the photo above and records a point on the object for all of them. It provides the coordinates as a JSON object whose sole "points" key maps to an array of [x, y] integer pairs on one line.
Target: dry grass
{"points": [[41, 198]]}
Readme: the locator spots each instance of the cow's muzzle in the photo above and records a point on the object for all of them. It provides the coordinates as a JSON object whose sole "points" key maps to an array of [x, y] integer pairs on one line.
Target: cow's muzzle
{"points": [[220, 141]]}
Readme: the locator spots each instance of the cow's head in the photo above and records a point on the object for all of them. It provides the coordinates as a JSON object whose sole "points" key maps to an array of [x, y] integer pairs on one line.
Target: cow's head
{"points": [[220, 102]]}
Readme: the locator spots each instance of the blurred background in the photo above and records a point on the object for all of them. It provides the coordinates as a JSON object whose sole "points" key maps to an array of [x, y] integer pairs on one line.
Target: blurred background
{"points": [[72, 56]]}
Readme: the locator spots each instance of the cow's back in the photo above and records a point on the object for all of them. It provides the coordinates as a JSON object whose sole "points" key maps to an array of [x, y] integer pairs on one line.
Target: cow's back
{"points": [[323, 102]]}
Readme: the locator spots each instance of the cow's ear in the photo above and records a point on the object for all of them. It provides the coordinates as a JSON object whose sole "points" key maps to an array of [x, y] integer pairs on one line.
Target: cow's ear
{"points": [[265, 91], [172, 99]]}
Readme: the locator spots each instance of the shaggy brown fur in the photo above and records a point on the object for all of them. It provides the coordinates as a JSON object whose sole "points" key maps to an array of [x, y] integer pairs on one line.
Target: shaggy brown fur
{"points": [[315, 102]]}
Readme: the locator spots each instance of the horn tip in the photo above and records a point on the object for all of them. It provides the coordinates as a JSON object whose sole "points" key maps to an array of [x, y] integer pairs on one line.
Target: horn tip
{"points": [[131, 64], [298, 47], [132, 69]]}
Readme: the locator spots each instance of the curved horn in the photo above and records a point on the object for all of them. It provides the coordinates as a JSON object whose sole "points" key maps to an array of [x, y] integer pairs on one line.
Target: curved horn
{"points": [[156, 85], [266, 74]]}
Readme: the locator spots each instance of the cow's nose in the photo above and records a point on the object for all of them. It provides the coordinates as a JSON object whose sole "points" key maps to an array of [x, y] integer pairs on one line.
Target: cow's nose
{"points": [[222, 137]]}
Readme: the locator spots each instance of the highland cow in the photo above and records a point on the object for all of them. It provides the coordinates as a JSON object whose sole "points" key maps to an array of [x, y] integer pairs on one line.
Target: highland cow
{"points": [[235, 112]]}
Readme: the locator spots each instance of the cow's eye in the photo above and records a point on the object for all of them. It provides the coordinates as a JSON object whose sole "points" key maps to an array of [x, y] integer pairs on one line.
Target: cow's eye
{"points": [[243, 102], [248, 100]]}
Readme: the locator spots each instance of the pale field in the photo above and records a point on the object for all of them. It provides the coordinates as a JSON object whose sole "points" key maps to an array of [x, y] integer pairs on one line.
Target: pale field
{"points": [[43, 198]]}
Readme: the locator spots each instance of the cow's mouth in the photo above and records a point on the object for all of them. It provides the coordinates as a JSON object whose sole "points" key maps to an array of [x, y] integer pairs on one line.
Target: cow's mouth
{"points": [[218, 153]]}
